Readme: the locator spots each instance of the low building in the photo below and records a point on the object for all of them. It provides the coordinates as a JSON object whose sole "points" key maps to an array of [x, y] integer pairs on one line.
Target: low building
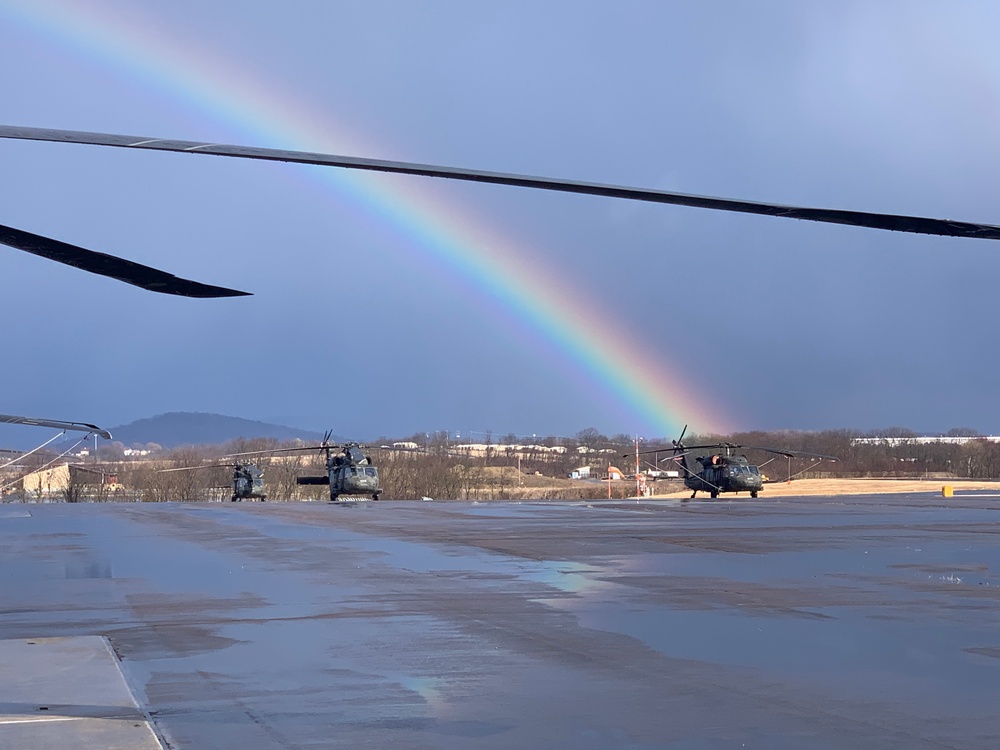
{"points": [[925, 440], [59, 481]]}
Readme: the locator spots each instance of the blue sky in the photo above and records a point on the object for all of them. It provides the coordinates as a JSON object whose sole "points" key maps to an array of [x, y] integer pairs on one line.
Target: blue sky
{"points": [[357, 326]]}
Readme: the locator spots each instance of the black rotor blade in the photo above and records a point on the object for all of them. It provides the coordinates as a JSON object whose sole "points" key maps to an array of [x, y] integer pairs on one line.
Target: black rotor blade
{"points": [[437, 452], [893, 222], [739, 446], [796, 454], [686, 448], [55, 423], [280, 450], [779, 451], [198, 468], [672, 452], [109, 265]]}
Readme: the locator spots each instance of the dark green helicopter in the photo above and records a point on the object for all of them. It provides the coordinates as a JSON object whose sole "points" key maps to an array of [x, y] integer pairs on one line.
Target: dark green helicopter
{"points": [[248, 479], [724, 470], [248, 482], [349, 472]]}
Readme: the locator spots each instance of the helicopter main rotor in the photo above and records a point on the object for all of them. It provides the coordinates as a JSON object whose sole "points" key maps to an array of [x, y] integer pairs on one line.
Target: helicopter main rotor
{"points": [[891, 222], [161, 281]]}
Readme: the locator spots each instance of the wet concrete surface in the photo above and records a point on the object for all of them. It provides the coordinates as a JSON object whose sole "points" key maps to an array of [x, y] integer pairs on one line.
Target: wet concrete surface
{"points": [[68, 692], [812, 622]]}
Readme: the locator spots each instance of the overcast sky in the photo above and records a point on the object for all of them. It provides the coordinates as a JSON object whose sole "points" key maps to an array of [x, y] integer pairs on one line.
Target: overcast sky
{"points": [[389, 305]]}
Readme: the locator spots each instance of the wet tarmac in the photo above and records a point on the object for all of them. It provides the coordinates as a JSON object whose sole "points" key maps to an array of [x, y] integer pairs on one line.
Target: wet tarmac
{"points": [[794, 623]]}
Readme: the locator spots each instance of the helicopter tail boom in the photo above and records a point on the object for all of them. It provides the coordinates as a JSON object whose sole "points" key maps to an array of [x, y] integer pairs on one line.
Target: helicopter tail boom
{"points": [[313, 480]]}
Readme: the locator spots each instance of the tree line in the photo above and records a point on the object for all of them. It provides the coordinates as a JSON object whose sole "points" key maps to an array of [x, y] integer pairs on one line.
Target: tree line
{"points": [[441, 470]]}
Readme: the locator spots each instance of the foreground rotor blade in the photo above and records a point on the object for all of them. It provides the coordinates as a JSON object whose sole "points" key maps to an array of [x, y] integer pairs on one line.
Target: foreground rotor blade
{"points": [[57, 424], [109, 265], [915, 224]]}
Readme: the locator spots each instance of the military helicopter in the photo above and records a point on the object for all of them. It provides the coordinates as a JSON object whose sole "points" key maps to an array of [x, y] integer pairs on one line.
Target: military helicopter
{"points": [[350, 472], [160, 281], [724, 470], [248, 479]]}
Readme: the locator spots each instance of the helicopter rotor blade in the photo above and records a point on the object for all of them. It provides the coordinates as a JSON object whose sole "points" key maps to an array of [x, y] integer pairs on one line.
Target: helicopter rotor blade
{"points": [[436, 452], [102, 264], [269, 451], [326, 445], [678, 446], [675, 456], [798, 454], [57, 424], [197, 468], [778, 451], [891, 222], [680, 441]]}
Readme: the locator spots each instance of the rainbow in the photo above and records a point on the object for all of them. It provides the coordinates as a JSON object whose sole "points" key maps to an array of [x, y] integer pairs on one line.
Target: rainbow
{"points": [[575, 334]]}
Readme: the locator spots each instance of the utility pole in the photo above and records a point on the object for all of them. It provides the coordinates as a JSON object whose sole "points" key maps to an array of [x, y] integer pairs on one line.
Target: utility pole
{"points": [[637, 466]]}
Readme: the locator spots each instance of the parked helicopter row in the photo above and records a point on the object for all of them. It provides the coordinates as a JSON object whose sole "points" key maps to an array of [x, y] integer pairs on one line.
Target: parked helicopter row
{"points": [[350, 472]]}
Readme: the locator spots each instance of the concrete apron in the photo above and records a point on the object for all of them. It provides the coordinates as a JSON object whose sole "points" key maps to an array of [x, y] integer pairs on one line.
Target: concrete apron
{"points": [[68, 692]]}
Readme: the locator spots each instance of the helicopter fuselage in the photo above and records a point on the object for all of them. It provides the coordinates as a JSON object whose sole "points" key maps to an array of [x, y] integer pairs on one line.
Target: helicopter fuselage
{"points": [[354, 480], [725, 474], [248, 483], [349, 473]]}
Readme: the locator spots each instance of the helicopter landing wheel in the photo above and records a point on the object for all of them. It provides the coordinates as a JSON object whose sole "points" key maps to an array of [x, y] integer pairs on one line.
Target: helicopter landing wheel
{"points": [[753, 494], [715, 494], [375, 497]]}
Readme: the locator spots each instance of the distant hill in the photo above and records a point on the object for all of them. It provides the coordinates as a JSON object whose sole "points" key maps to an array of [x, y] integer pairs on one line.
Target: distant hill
{"points": [[178, 428]]}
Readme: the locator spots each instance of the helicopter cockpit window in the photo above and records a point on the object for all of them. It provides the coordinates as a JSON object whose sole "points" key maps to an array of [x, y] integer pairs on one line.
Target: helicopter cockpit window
{"points": [[370, 471], [355, 455], [753, 470]]}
